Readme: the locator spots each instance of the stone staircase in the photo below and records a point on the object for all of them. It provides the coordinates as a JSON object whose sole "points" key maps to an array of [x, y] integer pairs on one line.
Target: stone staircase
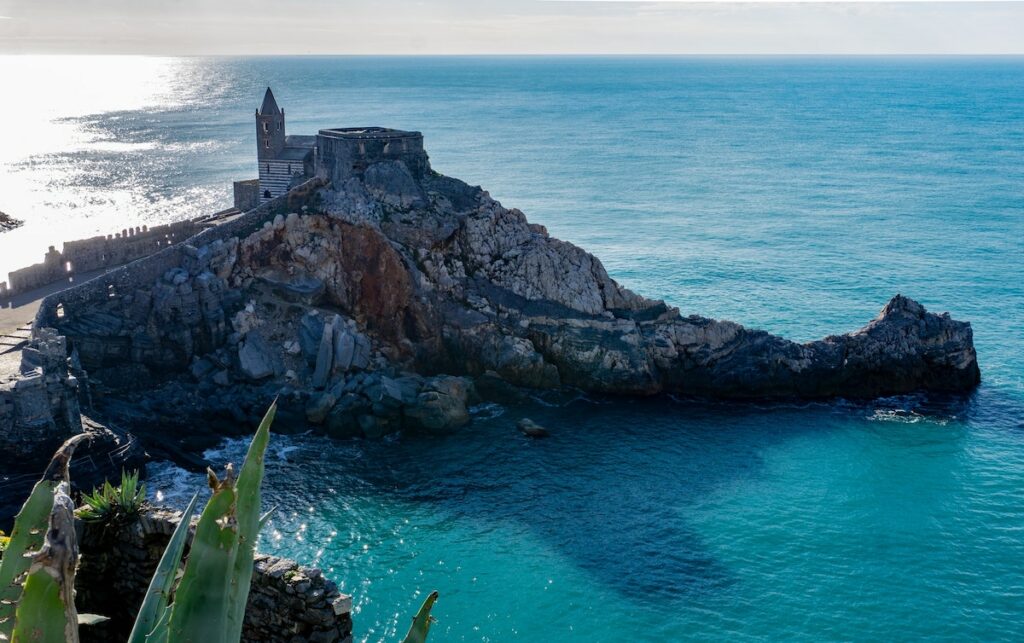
{"points": [[15, 339]]}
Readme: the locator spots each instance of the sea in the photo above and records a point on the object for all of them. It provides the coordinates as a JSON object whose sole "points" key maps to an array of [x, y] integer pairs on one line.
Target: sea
{"points": [[790, 194]]}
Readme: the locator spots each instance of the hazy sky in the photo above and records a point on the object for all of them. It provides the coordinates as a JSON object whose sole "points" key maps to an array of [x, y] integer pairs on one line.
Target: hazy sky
{"points": [[505, 26]]}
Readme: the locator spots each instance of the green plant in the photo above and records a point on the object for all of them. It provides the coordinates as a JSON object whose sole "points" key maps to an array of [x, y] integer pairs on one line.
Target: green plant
{"points": [[207, 605], [154, 605], [114, 505], [421, 622], [28, 535]]}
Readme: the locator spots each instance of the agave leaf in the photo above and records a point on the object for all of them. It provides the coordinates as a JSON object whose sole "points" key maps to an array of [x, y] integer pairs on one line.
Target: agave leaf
{"points": [[421, 622], [265, 517], [200, 602], [159, 633], [29, 533], [157, 596], [46, 612], [250, 478]]}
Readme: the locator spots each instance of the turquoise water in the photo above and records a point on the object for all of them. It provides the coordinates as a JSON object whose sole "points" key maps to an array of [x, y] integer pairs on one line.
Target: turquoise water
{"points": [[794, 195]]}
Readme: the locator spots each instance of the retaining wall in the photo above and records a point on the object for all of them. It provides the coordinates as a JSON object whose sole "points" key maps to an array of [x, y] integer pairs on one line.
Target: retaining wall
{"points": [[143, 273], [288, 603]]}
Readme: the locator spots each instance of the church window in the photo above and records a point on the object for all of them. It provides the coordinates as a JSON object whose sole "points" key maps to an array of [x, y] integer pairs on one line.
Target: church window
{"points": [[266, 194], [289, 168], [265, 128], [266, 143]]}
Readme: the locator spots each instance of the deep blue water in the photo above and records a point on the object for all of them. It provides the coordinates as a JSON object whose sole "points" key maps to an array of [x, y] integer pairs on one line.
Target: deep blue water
{"points": [[795, 195]]}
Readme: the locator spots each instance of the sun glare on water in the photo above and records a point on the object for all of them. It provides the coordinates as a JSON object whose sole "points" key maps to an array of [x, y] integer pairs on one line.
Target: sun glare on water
{"points": [[40, 180]]}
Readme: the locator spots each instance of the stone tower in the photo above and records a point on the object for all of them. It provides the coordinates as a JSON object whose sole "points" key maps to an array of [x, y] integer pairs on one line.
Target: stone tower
{"points": [[270, 138]]}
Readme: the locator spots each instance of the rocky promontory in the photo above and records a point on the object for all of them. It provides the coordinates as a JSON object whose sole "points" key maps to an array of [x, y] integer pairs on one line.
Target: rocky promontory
{"points": [[7, 222], [381, 302]]}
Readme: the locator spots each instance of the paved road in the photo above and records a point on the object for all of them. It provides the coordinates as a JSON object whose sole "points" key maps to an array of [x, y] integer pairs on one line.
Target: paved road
{"points": [[18, 310]]}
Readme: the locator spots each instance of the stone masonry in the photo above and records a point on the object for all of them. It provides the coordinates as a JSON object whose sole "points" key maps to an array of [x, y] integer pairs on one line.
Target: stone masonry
{"points": [[288, 603], [39, 392]]}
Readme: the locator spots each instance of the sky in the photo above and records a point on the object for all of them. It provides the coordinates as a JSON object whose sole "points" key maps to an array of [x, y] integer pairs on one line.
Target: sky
{"points": [[195, 27]]}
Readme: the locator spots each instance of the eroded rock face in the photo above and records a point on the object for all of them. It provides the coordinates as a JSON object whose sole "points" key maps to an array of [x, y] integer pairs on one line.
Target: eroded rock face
{"points": [[372, 312]]}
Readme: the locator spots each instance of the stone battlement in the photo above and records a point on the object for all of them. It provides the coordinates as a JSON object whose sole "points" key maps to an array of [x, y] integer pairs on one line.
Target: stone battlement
{"points": [[144, 272], [347, 152], [102, 252]]}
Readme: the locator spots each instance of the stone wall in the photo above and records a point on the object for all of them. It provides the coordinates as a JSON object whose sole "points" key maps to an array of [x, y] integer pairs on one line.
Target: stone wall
{"points": [[86, 255], [100, 252], [247, 194], [347, 152], [288, 603], [39, 406], [76, 302]]}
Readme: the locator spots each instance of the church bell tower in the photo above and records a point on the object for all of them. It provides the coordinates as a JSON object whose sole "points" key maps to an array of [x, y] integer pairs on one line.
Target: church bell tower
{"points": [[269, 128]]}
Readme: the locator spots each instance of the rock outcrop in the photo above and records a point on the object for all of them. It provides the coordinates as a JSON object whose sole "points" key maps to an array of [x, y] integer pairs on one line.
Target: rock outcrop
{"points": [[7, 222], [39, 398], [371, 306]]}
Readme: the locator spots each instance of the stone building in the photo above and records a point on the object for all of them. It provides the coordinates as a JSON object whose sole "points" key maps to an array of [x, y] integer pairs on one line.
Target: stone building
{"points": [[335, 154], [284, 160]]}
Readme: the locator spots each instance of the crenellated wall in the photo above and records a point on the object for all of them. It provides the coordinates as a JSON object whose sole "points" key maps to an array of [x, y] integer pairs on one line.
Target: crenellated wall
{"points": [[101, 252], [104, 318], [59, 308]]}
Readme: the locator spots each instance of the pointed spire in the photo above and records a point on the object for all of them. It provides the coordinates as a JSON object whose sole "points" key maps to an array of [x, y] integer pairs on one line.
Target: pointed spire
{"points": [[269, 104]]}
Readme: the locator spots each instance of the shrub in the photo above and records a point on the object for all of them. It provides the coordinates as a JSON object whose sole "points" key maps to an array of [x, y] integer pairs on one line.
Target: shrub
{"points": [[114, 505]]}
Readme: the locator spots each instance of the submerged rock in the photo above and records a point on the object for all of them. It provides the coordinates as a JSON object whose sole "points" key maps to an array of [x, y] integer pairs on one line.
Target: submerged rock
{"points": [[532, 429]]}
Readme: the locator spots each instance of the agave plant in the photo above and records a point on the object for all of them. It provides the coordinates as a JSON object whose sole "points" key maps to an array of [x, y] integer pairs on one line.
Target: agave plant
{"points": [[114, 505], [422, 621], [207, 605], [28, 536]]}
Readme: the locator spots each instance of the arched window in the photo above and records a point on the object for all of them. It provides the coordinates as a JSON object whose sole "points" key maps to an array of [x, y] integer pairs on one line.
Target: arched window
{"points": [[265, 128], [289, 169], [266, 194], [266, 143]]}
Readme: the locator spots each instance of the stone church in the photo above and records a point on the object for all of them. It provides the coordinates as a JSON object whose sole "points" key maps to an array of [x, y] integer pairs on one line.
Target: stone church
{"points": [[336, 154]]}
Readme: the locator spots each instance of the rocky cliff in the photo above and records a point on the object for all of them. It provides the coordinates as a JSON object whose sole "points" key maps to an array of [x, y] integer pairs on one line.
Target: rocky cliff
{"points": [[373, 305]]}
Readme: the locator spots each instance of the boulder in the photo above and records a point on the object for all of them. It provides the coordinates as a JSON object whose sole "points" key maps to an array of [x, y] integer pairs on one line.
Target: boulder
{"points": [[255, 357], [324, 357], [441, 406], [344, 350], [311, 330], [319, 407], [531, 429]]}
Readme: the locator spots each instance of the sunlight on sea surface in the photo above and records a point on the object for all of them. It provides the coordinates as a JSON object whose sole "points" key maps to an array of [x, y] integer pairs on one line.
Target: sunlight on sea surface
{"points": [[69, 179], [794, 195]]}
